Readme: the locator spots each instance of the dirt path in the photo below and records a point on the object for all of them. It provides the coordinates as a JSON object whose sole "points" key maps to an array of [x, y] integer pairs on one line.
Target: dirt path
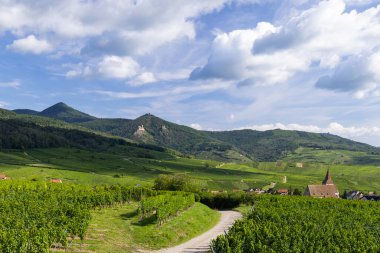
{"points": [[201, 243]]}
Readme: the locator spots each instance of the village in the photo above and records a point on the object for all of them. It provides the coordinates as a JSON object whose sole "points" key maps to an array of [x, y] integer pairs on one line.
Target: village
{"points": [[325, 190]]}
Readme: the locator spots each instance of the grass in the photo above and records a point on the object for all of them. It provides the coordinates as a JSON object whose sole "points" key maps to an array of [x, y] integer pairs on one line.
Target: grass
{"points": [[126, 166], [117, 229], [331, 156]]}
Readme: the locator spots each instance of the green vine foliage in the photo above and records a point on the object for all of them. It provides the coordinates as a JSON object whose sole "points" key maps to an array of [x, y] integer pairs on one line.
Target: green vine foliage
{"points": [[302, 224], [37, 215], [166, 205]]}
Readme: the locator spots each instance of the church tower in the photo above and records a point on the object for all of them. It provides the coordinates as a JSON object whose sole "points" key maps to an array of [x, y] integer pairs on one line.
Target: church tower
{"points": [[328, 180]]}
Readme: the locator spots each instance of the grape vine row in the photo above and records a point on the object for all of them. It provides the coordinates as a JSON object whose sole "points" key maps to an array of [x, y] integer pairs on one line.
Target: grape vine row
{"points": [[302, 224]]}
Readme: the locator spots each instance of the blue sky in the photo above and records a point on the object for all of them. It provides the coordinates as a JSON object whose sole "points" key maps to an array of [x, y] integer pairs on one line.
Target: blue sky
{"points": [[210, 64]]}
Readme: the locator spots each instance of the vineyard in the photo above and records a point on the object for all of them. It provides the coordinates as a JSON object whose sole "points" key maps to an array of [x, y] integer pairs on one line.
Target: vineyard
{"points": [[165, 206], [38, 216], [299, 224]]}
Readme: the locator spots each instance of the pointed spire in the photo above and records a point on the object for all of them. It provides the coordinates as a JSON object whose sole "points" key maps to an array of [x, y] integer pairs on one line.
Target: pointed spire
{"points": [[328, 180]]}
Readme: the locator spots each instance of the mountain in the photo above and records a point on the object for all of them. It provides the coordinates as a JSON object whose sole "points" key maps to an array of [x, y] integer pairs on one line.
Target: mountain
{"points": [[238, 145], [60, 111], [25, 111], [20, 131], [66, 113], [153, 130]]}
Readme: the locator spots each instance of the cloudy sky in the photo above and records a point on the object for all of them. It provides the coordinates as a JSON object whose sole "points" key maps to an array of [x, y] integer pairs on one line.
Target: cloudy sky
{"points": [[209, 64]]}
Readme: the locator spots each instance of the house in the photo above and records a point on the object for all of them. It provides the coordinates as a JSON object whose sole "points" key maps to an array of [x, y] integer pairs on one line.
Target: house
{"points": [[326, 190], [354, 195], [55, 180], [3, 177], [283, 191], [259, 191], [255, 191]]}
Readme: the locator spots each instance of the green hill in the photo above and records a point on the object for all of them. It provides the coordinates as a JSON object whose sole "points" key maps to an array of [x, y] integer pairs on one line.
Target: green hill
{"points": [[272, 145], [184, 139], [16, 134], [238, 145], [34, 146], [66, 113]]}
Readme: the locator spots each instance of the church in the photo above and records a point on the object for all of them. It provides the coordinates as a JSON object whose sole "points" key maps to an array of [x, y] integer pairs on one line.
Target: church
{"points": [[326, 190]]}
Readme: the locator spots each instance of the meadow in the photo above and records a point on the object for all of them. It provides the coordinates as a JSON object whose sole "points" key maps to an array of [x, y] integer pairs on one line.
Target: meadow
{"points": [[117, 229], [129, 166]]}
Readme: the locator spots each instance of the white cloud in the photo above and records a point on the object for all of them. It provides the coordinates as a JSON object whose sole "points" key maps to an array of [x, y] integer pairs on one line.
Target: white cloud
{"points": [[108, 67], [142, 79], [107, 27], [12, 84], [118, 67], [333, 128], [3, 104], [31, 45], [323, 36], [196, 126]]}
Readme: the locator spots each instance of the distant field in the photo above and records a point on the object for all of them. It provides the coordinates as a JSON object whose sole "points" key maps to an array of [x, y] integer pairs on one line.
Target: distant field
{"points": [[129, 165], [331, 156]]}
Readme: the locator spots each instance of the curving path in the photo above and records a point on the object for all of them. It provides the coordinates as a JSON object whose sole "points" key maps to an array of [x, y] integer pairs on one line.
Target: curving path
{"points": [[201, 243]]}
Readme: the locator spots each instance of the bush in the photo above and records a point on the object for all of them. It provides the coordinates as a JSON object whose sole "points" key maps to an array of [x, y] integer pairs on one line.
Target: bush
{"points": [[178, 182], [225, 200]]}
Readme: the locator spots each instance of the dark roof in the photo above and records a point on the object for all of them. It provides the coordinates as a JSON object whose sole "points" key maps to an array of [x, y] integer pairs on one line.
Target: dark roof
{"points": [[328, 179]]}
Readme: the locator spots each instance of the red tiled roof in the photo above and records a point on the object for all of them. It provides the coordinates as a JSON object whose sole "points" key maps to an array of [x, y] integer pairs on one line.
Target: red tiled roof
{"points": [[282, 190]]}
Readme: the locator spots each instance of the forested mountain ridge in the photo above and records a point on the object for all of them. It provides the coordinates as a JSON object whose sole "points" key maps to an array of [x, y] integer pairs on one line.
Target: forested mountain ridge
{"points": [[16, 134], [237, 145]]}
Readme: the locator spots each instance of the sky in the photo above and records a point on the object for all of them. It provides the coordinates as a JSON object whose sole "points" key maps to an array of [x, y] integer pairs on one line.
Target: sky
{"points": [[209, 64]]}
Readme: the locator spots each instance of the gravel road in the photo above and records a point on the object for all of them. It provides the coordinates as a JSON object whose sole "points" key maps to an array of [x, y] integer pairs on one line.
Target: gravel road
{"points": [[201, 243]]}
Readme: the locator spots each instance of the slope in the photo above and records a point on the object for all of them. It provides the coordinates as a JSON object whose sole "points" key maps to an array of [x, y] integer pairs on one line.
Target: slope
{"points": [[153, 130], [25, 111], [274, 144]]}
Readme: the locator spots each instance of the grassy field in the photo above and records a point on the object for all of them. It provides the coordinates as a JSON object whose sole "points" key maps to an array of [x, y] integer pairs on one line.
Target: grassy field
{"points": [[122, 165], [312, 155], [117, 229]]}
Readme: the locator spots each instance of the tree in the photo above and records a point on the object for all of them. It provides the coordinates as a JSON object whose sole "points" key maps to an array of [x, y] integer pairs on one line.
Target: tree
{"points": [[297, 192]]}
